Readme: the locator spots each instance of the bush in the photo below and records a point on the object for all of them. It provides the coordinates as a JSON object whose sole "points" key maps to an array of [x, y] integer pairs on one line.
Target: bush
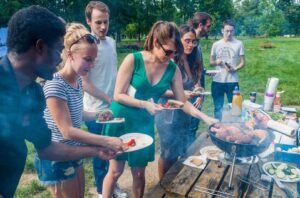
{"points": [[267, 45], [128, 48]]}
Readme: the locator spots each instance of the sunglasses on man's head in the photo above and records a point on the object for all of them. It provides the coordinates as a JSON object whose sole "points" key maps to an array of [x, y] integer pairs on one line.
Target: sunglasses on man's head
{"points": [[88, 37], [167, 52]]}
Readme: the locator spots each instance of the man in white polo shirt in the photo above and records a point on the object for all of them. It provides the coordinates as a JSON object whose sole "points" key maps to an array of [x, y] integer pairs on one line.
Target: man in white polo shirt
{"points": [[100, 82], [227, 55]]}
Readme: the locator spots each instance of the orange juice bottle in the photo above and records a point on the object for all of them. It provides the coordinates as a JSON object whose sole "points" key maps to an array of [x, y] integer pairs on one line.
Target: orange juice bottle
{"points": [[237, 101], [277, 103]]}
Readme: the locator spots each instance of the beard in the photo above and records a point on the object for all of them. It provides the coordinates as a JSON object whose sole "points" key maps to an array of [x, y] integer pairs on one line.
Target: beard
{"points": [[46, 73]]}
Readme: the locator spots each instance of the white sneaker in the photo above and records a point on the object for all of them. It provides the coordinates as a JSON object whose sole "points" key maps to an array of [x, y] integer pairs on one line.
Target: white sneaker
{"points": [[99, 195], [119, 193]]}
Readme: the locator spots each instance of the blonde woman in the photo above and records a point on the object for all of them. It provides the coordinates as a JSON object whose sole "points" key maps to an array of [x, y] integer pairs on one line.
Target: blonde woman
{"points": [[64, 114]]}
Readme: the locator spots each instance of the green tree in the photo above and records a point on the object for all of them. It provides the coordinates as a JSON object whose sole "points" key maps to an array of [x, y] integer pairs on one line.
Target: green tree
{"points": [[8, 8], [291, 11], [220, 10]]}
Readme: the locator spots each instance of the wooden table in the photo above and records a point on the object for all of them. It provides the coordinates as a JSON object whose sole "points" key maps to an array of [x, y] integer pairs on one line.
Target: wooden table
{"points": [[186, 181]]}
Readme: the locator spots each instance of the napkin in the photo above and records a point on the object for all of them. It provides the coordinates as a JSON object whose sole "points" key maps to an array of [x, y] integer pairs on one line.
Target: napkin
{"points": [[282, 128], [272, 85]]}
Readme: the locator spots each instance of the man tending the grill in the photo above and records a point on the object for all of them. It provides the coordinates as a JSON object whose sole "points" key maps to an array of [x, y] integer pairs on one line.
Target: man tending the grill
{"points": [[225, 55]]}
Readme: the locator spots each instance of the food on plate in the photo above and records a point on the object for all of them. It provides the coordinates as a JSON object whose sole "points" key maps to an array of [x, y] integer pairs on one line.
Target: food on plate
{"points": [[277, 116], [238, 133], [282, 171], [290, 150], [173, 104], [196, 161], [213, 152], [198, 90], [105, 116], [130, 143], [261, 119], [294, 150], [261, 134]]}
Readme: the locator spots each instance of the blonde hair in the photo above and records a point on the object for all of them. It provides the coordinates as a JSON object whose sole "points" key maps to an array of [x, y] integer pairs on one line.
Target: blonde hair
{"points": [[74, 32]]}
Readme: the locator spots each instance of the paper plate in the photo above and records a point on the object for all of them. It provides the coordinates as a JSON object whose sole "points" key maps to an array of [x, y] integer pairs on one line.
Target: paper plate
{"points": [[213, 71], [211, 152], [285, 177], [115, 120], [201, 93], [141, 140], [189, 161]]}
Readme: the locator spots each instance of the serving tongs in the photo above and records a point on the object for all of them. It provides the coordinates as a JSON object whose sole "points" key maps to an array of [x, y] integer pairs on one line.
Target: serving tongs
{"points": [[283, 187], [213, 192]]}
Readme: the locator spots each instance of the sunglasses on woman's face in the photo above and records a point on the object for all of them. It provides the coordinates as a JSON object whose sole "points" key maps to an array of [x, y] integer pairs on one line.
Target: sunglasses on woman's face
{"points": [[167, 51], [88, 37]]}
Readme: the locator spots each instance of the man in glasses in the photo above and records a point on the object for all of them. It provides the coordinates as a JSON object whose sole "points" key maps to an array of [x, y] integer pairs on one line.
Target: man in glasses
{"points": [[100, 82], [201, 22], [228, 56], [34, 47]]}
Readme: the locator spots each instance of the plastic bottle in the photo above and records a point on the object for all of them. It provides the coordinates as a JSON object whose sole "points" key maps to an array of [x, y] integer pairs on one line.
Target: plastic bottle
{"points": [[277, 102], [237, 101]]}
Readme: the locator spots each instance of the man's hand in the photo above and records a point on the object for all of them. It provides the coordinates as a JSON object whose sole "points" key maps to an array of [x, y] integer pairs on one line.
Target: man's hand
{"points": [[219, 62], [106, 154], [229, 68], [109, 100]]}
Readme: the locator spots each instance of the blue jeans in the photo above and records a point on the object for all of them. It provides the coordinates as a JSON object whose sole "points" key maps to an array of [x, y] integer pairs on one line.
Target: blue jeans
{"points": [[218, 91], [100, 166], [194, 125], [53, 172]]}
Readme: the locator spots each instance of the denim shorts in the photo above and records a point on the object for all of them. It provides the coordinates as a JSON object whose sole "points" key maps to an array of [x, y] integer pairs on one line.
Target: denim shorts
{"points": [[53, 172]]}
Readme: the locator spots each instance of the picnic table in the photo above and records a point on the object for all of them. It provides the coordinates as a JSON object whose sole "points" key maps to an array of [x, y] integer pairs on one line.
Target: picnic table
{"points": [[213, 180]]}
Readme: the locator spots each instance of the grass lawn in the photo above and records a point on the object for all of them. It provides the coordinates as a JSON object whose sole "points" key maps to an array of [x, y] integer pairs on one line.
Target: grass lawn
{"points": [[282, 62]]}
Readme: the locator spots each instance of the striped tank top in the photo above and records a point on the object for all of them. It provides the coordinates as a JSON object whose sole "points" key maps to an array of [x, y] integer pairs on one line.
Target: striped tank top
{"points": [[58, 87]]}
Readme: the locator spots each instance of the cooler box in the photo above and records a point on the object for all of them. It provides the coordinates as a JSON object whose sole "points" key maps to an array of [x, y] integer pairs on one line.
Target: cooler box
{"points": [[286, 156]]}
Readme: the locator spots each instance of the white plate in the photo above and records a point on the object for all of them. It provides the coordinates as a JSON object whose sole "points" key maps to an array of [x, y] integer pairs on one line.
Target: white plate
{"points": [[201, 157], [205, 150], [205, 93], [141, 140], [171, 108], [213, 71], [115, 120], [281, 179], [201, 93]]}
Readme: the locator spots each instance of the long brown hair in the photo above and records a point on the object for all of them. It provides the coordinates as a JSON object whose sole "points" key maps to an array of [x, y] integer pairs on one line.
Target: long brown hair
{"points": [[164, 31], [194, 63]]}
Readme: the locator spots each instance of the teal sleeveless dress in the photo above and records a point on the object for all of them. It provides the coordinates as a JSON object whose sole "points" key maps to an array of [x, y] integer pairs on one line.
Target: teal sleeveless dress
{"points": [[136, 119]]}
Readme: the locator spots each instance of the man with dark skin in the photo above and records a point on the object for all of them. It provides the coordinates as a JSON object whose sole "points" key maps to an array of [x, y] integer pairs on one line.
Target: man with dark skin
{"points": [[35, 41]]}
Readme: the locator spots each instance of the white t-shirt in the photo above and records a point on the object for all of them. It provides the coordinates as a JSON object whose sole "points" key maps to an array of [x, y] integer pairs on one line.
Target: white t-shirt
{"points": [[103, 74], [229, 52]]}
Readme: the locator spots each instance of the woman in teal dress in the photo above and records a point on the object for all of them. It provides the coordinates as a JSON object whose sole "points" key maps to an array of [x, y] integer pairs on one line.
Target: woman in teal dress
{"points": [[142, 78]]}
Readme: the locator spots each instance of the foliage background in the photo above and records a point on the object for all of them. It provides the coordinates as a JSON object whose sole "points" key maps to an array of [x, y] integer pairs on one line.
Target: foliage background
{"points": [[133, 18]]}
